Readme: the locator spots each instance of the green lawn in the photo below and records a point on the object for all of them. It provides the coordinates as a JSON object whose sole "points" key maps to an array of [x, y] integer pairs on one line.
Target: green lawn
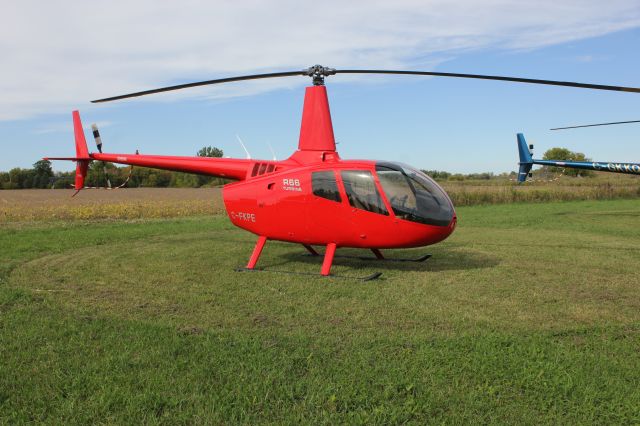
{"points": [[529, 313]]}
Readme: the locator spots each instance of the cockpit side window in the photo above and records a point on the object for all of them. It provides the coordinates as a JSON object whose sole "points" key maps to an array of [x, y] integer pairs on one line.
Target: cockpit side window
{"points": [[362, 192], [324, 185]]}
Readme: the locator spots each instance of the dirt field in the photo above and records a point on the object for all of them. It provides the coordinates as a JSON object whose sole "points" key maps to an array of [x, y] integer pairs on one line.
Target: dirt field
{"points": [[130, 203]]}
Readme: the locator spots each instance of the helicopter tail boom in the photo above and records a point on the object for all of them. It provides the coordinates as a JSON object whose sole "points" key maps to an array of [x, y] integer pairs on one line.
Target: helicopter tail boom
{"points": [[231, 168], [527, 162]]}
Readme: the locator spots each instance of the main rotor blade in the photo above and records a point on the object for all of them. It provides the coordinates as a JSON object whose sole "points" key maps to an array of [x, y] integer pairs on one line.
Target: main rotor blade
{"points": [[200, 83], [499, 78], [318, 72], [594, 125]]}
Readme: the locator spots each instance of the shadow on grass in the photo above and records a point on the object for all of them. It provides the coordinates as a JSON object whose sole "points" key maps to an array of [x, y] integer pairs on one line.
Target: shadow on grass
{"points": [[447, 259]]}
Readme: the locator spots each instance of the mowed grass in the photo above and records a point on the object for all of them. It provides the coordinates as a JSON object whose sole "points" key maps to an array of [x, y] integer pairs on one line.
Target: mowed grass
{"points": [[529, 313]]}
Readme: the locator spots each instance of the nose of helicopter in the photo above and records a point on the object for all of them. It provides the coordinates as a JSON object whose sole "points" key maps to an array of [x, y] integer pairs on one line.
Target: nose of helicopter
{"points": [[435, 234], [411, 234]]}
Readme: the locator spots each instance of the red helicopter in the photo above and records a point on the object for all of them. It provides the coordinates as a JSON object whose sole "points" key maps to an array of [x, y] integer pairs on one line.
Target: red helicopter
{"points": [[314, 197]]}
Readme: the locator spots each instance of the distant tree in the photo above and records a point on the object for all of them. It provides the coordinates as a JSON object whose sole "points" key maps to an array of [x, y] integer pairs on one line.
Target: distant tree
{"points": [[437, 174], [480, 176], [201, 180], [558, 154], [162, 178], [565, 154], [185, 180], [95, 174], [42, 174], [456, 177], [64, 180], [6, 181], [20, 178], [209, 151]]}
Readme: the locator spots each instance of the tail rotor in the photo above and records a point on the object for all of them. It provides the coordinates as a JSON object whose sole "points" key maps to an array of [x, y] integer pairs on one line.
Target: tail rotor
{"points": [[98, 140]]}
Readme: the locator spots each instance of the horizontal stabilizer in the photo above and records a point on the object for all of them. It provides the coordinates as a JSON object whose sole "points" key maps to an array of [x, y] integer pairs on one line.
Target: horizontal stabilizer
{"points": [[68, 158]]}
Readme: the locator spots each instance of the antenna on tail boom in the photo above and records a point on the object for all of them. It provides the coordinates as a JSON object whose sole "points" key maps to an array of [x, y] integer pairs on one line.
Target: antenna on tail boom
{"points": [[244, 147]]}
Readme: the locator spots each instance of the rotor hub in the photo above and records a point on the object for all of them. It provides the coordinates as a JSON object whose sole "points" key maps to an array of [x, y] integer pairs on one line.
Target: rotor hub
{"points": [[318, 73]]}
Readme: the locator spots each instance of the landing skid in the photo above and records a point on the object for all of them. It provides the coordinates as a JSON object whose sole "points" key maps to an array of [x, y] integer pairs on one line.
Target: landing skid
{"points": [[416, 260], [371, 277], [329, 254]]}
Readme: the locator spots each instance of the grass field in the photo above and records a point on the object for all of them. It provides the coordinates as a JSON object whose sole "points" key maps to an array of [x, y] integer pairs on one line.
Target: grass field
{"points": [[529, 313]]}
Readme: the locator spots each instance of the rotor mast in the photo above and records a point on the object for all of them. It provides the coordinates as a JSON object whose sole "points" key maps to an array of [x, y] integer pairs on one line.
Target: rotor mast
{"points": [[316, 128]]}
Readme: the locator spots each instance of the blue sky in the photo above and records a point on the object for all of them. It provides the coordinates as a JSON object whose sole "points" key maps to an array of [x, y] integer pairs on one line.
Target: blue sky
{"points": [[59, 59]]}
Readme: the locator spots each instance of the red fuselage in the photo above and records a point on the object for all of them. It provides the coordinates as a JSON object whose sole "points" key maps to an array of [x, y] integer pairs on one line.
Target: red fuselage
{"points": [[282, 205], [276, 199]]}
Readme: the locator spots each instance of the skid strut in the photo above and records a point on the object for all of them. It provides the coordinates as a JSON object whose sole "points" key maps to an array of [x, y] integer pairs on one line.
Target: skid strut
{"points": [[256, 252], [328, 259], [378, 254], [329, 254], [311, 250]]}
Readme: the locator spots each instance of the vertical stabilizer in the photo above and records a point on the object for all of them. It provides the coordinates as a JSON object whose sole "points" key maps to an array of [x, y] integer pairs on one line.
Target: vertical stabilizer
{"points": [[81, 143], [82, 152], [526, 162]]}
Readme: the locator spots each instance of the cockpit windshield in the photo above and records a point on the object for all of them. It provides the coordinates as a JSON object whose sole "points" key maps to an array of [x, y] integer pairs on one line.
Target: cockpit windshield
{"points": [[413, 195]]}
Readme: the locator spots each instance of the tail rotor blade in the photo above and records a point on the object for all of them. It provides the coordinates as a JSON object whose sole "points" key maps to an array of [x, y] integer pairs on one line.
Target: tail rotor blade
{"points": [[98, 139]]}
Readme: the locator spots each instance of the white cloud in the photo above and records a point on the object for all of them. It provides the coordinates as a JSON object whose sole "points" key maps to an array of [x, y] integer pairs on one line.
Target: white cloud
{"points": [[58, 55]]}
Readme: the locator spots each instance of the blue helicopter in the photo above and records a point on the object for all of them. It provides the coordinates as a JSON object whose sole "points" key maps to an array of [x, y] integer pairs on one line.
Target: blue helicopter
{"points": [[527, 161]]}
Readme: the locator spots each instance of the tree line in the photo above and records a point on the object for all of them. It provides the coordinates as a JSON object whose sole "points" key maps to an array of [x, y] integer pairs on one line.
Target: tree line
{"points": [[102, 174]]}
